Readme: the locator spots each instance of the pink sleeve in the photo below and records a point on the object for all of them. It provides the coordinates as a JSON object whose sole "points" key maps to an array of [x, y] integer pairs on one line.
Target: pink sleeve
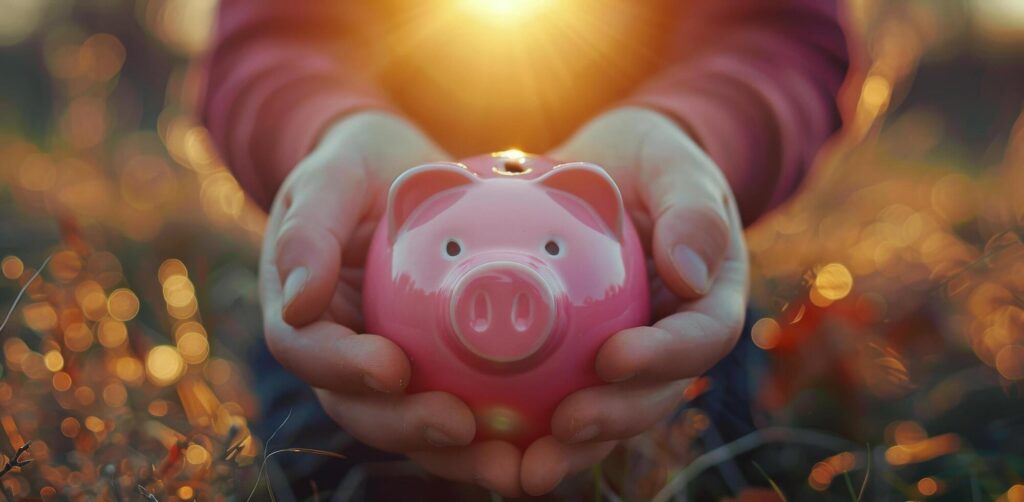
{"points": [[756, 83], [276, 77]]}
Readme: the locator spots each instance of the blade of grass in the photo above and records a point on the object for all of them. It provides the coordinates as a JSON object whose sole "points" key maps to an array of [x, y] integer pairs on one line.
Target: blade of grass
{"points": [[867, 472], [774, 485], [849, 486], [22, 293], [263, 465], [676, 487], [311, 451]]}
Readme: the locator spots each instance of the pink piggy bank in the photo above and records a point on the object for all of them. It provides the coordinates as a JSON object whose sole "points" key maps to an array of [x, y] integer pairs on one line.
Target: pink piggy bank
{"points": [[500, 277]]}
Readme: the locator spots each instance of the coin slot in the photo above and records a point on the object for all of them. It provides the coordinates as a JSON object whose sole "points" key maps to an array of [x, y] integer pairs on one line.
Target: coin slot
{"points": [[514, 166]]}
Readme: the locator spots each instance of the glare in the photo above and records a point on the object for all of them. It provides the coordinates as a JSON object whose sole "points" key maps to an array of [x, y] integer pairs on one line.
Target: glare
{"points": [[506, 10], [514, 153]]}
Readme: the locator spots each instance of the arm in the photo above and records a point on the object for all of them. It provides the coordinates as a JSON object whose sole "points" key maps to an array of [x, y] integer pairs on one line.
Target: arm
{"points": [[302, 129], [755, 84], [751, 93], [278, 75]]}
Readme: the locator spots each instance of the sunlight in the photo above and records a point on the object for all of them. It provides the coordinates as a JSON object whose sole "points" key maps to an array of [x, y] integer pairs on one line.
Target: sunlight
{"points": [[512, 153], [507, 10]]}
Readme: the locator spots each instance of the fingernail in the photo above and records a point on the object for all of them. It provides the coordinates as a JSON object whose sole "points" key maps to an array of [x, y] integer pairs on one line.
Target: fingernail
{"points": [[294, 283], [374, 384], [438, 438], [585, 434], [691, 267]]}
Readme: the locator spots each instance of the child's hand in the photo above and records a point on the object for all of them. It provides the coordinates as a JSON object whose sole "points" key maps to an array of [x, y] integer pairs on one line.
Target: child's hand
{"points": [[311, 272], [691, 230]]}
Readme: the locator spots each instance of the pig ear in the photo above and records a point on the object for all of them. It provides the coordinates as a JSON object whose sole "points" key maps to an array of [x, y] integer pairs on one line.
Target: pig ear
{"points": [[592, 184], [418, 184]]}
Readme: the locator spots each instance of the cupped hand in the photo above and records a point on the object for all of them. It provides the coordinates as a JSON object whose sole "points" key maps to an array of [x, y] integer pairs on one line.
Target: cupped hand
{"points": [[311, 270], [689, 223]]}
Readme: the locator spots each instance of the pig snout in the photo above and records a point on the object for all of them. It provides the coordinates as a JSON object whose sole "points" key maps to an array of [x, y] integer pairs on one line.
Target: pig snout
{"points": [[503, 311]]}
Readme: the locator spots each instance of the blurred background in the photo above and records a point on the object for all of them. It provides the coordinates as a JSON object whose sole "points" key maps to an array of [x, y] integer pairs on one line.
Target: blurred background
{"points": [[889, 294]]}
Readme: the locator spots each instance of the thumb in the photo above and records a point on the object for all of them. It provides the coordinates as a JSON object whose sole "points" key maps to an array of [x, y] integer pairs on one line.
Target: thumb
{"points": [[321, 209], [691, 224]]}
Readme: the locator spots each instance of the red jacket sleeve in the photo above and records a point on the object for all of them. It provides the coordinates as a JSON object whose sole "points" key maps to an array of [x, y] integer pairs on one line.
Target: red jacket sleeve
{"points": [[756, 83], [276, 77]]}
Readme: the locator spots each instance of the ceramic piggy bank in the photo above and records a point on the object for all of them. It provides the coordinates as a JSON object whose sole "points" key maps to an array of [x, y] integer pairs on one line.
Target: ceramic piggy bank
{"points": [[500, 277]]}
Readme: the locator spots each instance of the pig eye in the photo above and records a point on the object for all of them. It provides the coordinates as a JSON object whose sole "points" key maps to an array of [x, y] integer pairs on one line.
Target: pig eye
{"points": [[553, 248], [452, 248]]}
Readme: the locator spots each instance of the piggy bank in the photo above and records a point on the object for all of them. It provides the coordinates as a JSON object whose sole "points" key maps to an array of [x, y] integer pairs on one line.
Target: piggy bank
{"points": [[500, 277]]}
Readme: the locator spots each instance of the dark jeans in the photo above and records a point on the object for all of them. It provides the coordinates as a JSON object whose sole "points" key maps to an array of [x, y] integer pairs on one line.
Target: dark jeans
{"points": [[369, 474]]}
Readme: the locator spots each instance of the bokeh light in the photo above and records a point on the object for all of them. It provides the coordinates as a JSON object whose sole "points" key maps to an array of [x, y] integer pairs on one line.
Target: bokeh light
{"points": [[70, 427], [833, 282], [65, 265], [1015, 493], [78, 337], [927, 486], [129, 369], [53, 360], [90, 297], [197, 455], [164, 365], [12, 267], [61, 381], [20, 19], [112, 333], [40, 316], [123, 305], [766, 332], [193, 347]]}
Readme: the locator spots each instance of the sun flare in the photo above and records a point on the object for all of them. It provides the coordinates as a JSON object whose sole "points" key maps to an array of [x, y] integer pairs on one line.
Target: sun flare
{"points": [[507, 10]]}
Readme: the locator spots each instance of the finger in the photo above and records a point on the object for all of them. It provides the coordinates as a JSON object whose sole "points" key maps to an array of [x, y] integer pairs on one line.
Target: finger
{"points": [[322, 206], [616, 411], [330, 356], [689, 342], [663, 301], [326, 354], [491, 464], [547, 462], [345, 304], [687, 196], [689, 239], [358, 246], [402, 423]]}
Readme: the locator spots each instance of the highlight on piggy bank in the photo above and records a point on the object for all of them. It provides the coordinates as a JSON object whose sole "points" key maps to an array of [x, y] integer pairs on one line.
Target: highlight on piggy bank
{"points": [[500, 277]]}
